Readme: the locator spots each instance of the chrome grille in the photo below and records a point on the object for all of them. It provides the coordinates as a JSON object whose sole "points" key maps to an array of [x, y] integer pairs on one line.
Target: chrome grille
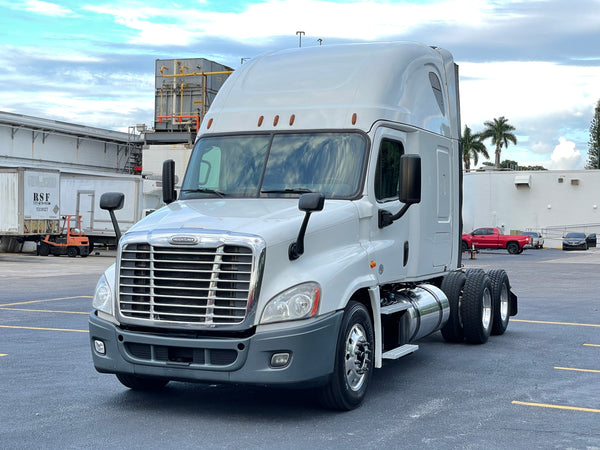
{"points": [[197, 286]]}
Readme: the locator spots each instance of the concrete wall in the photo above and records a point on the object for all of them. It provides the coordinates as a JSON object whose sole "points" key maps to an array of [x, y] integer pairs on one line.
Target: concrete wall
{"points": [[551, 202]]}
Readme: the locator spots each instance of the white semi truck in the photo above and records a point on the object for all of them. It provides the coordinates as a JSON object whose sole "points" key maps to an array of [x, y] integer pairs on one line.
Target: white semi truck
{"points": [[317, 232]]}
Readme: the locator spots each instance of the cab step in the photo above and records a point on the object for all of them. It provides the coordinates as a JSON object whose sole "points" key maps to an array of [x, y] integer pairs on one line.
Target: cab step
{"points": [[401, 351]]}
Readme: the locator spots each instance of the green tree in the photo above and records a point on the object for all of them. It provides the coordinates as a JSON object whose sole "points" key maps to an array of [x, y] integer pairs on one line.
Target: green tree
{"points": [[500, 132], [594, 142], [472, 146]]}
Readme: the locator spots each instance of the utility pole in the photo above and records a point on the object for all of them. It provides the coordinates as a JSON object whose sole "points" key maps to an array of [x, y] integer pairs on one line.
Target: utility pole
{"points": [[300, 33]]}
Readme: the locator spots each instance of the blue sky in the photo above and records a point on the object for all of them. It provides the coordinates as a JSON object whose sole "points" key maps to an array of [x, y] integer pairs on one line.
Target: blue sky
{"points": [[535, 62]]}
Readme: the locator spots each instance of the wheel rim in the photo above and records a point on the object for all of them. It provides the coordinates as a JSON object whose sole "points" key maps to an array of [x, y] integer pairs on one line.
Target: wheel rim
{"points": [[504, 303], [486, 316], [356, 357]]}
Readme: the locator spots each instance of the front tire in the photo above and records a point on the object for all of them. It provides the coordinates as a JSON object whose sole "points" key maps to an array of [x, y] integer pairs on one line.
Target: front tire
{"points": [[513, 248], [476, 307], [44, 249], [138, 383], [71, 252], [353, 366]]}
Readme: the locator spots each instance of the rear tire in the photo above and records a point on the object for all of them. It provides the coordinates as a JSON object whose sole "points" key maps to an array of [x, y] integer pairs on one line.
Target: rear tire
{"points": [[500, 300], [353, 366], [453, 285], [476, 307], [138, 383], [44, 249], [72, 252]]}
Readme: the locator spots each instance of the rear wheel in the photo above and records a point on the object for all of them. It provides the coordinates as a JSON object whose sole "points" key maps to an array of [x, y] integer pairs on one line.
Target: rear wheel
{"points": [[138, 383], [476, 307], [452, 286], [500, 300], [72, 252], [353, 366], [44, 249]]}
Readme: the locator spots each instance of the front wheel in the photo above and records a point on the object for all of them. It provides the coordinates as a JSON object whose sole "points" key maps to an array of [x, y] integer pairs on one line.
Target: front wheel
{"points": [[513, 248], [353, 366], [138, 383], [44, 249], [71, 252]]}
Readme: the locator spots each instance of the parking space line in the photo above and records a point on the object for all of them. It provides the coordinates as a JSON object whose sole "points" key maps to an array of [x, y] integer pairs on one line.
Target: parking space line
{"points": [[44, 329], [43, 310], [591, 345], [554, 323], [46, 300], [544, 405], [3, 354], [577, 370]]}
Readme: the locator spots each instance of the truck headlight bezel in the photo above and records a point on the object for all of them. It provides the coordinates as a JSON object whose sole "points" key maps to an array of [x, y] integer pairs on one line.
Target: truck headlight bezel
{"points": [[296, 303]]}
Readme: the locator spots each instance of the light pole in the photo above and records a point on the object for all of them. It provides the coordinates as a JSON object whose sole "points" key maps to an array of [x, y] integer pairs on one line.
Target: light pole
{"points": [[300, 33]]}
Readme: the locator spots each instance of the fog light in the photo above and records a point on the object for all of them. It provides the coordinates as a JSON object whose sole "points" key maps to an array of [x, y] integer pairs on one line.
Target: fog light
{"points": [[280, 360], [99, 347]]}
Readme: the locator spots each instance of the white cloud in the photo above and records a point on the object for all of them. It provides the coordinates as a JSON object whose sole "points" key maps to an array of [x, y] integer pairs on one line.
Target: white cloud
{"points": [[46, 8], [565, 157]]}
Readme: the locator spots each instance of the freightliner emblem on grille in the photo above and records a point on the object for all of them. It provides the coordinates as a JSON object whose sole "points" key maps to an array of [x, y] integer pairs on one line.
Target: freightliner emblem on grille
{"points": [[183, 240]]}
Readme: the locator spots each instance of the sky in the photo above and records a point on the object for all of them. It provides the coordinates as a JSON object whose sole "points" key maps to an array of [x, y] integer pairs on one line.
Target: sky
{"points": [[537, 62]]}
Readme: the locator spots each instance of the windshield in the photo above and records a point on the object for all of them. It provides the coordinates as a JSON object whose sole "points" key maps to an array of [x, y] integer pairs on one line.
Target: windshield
{"points": [[575, 236], [276, 165]]}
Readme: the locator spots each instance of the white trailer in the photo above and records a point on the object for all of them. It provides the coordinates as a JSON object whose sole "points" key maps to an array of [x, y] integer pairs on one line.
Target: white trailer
{"points": [[316, 234], [29, 205]]}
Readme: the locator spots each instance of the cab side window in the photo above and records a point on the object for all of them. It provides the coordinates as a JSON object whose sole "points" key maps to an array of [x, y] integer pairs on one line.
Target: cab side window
{"points": [[387, 173]]}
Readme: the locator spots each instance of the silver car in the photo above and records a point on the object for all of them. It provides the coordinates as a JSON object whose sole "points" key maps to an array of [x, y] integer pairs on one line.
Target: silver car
{"points": [[537, 240]]}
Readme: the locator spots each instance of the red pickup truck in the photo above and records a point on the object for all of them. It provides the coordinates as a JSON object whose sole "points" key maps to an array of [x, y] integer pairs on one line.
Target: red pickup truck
{"points": [[491, 238]]}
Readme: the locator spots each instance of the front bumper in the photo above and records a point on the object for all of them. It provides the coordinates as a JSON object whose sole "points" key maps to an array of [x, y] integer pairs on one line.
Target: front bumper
{"points": [[221, 360]]}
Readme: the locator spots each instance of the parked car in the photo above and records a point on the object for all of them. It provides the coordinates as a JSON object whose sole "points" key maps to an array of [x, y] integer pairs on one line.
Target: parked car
{"points": [[574, 241], [591, 240], [537, 240]]}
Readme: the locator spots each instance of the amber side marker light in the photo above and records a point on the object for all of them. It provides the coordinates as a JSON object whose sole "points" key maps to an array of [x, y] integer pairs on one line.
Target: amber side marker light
{"points": [[292, 119], [275, 120], [354, 119], [209, 124], [260, 120]]}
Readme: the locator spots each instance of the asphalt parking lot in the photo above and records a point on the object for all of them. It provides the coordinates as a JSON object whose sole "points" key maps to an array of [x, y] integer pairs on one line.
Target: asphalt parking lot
{"points": [[537, 386]]}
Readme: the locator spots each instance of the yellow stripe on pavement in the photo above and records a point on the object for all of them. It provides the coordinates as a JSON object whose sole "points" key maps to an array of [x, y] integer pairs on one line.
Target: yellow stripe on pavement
{"points": [[45, 329], [578, 370], [555, 323], [544, 405], [591, 345], [46, 300], [43, 310]]}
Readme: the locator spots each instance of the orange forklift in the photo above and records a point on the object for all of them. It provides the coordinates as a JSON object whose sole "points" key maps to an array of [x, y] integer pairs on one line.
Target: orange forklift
{"points": [[70, 242]]}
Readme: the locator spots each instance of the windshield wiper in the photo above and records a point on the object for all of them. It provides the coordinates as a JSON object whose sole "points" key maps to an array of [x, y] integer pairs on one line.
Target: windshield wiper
{"points": [[205, 191], [286, 191]]}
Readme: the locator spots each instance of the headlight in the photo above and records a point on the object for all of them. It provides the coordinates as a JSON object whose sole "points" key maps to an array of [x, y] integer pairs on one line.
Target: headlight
{"points": [[103, 299], [299, 302]]}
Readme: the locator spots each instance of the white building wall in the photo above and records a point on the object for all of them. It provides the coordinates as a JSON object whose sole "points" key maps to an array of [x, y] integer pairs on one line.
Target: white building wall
{"points": [[552, 202]]}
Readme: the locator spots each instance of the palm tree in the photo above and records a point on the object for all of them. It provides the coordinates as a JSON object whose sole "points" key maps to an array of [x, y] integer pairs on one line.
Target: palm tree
{"points": [[472, 146], [499, 130]]}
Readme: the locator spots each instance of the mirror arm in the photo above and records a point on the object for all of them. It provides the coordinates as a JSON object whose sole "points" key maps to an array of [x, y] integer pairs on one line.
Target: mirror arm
{"points": [[297, 248], [386, 218]]}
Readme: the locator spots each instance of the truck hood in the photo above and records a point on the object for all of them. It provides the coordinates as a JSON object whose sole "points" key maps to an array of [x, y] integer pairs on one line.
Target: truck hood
{"points": [[276, 220]]}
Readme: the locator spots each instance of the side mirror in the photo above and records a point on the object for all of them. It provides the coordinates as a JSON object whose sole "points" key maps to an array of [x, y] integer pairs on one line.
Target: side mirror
{"points": [[409, 192], [307, 203], [168, 182], [410, 179], [112, 201]]}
